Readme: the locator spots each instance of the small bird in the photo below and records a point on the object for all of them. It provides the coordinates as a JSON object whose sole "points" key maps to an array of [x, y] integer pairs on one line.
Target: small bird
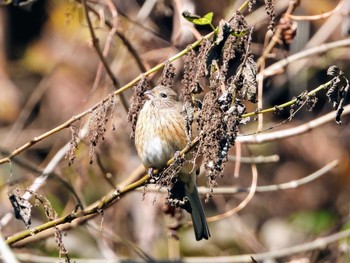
{"points": [[160, 133]]}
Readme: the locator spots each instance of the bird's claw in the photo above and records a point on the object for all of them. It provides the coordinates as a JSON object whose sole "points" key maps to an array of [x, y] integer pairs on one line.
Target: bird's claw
{"points": [[179, 158], [154, 177]]}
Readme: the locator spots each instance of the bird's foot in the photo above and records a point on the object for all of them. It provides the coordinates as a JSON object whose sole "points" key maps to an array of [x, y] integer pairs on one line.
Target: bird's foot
{"points": [[179, 159], [153, 177]]}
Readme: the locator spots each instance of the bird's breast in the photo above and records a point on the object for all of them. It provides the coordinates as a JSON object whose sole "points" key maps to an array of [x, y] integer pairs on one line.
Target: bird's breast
{"points": [[159, 134]]}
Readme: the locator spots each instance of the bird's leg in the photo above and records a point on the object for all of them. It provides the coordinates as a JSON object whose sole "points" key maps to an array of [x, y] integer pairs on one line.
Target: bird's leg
{"points": [[150, 171], [177, 155], [179, 159]]}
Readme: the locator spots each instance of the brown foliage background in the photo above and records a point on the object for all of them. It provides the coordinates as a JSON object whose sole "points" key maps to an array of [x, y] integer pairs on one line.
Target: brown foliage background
{"points": [[48, 70]]}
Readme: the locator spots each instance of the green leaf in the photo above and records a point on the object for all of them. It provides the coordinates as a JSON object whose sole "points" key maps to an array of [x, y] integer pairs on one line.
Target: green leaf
{"points": [[197, 20]]}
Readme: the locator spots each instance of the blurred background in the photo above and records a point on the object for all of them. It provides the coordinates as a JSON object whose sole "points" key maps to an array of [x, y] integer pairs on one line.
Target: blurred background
{"points": [[49, 73]]}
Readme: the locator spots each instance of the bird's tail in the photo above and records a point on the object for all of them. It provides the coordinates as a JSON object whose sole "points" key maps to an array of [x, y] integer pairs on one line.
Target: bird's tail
{"points": [[199, 221]]}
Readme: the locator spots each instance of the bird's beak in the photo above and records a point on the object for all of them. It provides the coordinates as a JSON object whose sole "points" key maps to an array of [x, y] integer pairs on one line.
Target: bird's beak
{"points": [[149, 94]]}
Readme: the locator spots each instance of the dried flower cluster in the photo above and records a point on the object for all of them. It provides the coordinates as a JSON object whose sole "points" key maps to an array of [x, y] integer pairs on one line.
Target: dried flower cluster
{"points": [[21, 207], [194, 71], [250, 5], [98, 121], [270, 10], [223, 106], [338, 91], [51, 214], [73, 144], [167, 78]]}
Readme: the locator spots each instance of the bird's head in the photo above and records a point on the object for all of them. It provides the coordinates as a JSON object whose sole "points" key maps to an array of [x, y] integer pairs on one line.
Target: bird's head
{"points": [[161, 97]]}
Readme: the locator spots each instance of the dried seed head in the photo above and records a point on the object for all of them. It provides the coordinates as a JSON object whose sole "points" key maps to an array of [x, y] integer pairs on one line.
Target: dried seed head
{"points": [[98, 121], [270, 10], [194, 68], [73, 145], [167, 78]]}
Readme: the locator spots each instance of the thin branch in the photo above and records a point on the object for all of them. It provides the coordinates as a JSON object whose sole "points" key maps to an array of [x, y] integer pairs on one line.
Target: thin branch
{"points": [[108, 41], [5, 252], [273, 254], [95, 43], [115, 195], [130, 84], [277, 35], [244, 203], [255, 159], [287, 133], [289, 103], [280, 65], [284, 186], [260, 189], [45, 173], [320, 16], [318, 243], [95, 210]]}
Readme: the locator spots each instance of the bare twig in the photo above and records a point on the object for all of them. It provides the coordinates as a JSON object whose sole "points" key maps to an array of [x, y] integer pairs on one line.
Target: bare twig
{"points": [[94, 210], [267, 188], [276, 36], [280, 65], [108, 41], [255, 159], [221, 190], [318, 243], [278, 135], [284, 186], [40, 181], [95, 43], [115, 195], [244, 203], [320, 16], [5, 252], [130, 84]]}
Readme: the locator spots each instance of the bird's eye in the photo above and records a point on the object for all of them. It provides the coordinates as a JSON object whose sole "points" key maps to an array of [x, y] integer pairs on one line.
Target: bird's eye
{"points": [[163, 95]]}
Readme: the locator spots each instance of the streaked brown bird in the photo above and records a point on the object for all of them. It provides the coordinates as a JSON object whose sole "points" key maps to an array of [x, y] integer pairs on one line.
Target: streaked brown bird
{"points": [[160, 133]]}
